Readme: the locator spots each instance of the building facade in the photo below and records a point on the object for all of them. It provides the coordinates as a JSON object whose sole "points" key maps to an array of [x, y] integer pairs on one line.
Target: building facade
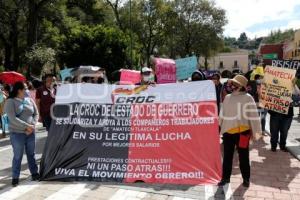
{"points": [[288, 50], [269, 52], [296, 54], [228, 61]]}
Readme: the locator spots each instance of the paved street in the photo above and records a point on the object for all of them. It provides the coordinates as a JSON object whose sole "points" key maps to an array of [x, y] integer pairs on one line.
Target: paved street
{"points": [[294, 134], [274, 176], [293, 142]]}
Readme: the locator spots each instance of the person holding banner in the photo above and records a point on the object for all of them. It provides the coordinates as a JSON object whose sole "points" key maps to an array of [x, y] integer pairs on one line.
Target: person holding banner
{"points": [[22, 116], [239, 122], [216, 77], [4, 91], [198, 75], [254, 90], [45, 97], [281, 123], [227, 87], [147, 76]]}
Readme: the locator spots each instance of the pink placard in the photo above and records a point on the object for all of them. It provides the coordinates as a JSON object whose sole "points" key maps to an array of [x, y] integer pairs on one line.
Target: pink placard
{"points": [[129, 77], [165, 70]]}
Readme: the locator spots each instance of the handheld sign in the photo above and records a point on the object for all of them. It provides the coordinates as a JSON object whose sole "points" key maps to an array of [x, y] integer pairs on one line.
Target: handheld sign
{"points": [[185, 67], [277, 89], [157, 134], [165, 70], [65, 73], [289, 64], [130, 77]]}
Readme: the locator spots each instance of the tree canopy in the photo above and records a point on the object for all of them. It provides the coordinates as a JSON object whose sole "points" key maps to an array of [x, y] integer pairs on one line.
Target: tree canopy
{"points": [[107, 33]]}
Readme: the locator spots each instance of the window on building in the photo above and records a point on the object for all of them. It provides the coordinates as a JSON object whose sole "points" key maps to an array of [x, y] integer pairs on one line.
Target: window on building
{"points": [[221, 65]]}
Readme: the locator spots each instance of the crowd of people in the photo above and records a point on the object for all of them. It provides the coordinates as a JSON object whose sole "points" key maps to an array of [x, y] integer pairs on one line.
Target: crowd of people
{"points": [[26, 104]]}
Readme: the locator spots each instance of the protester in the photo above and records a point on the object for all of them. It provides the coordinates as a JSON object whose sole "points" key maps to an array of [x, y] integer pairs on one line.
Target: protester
{"points": [[2, 101], [262, 111], [31, 91], [253, 89], [45, 97], [6, 89], [227, 87], [68, 80], [100, 77], [23, 116], [281, 123], [216, 79], [298, 85], [4, 95], [198, 75], [239, 122], [147, 76], [54, 83]]}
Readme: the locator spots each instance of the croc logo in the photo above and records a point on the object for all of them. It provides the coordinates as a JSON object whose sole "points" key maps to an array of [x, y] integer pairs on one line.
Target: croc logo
{"points": [[136, 90], [131, 93]]}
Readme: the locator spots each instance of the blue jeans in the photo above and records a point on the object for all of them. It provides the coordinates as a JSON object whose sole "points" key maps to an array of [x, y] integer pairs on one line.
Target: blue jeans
{"points": [[280, 125], [263, 114], [20, 141]]}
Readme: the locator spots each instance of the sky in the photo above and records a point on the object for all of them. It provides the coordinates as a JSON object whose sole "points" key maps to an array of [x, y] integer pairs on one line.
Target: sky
{"points": [[258, 17]]}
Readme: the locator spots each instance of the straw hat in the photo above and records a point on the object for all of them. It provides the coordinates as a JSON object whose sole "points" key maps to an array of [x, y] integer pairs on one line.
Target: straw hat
{"points": [[240, 80]]}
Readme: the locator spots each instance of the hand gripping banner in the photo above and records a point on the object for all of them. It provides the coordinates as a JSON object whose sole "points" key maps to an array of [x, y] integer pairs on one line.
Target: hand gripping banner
{"points": [[156, 134]]}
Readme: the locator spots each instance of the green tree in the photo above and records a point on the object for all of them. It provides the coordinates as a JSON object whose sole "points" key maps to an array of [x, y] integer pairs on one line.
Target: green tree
{"points": [[148, 22], [39, 57], [200, 28], [34, 12], [161, 27], [243, 41], [12, 24], [230, 42], [115, 5], [95, 45], [200, 22], [279, 36]]}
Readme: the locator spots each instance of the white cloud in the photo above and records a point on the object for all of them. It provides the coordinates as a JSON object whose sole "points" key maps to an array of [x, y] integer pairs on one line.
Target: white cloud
{"points": [[242, 14]]}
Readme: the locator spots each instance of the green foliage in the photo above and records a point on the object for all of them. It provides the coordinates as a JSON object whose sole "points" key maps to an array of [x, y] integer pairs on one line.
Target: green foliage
{"points": [[200, 27], [279, 36], [226, 50], [1, 68], [38, 57], [243, 42], [95, 45], [230, 42], [109, 33]]}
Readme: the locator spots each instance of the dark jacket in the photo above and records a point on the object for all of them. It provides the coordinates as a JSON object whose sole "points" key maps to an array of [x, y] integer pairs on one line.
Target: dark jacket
{"points": [[289, 115]]}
